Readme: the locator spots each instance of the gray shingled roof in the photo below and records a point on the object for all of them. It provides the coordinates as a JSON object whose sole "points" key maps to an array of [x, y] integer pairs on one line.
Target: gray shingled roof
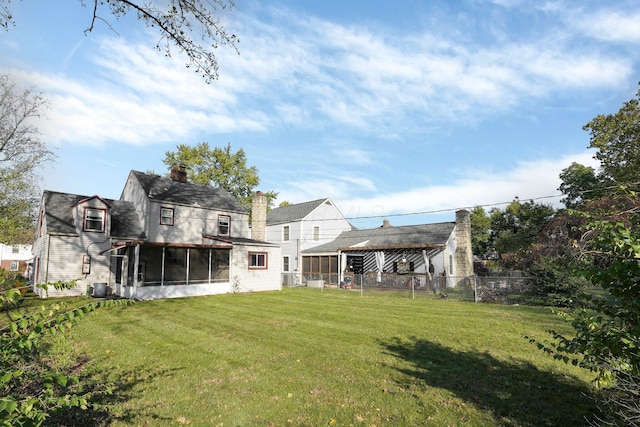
{"points": [[125, 222], [241, 240], [425, 234], [293, 212], [186, 193]]}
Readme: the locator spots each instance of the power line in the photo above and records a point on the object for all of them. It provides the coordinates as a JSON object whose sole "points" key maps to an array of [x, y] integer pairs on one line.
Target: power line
{"points": [[435, 211]]}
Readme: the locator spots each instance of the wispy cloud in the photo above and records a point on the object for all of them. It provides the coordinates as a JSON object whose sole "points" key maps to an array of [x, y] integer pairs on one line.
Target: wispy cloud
{"points": [[312, 72], [538, 179], [616, 26]]}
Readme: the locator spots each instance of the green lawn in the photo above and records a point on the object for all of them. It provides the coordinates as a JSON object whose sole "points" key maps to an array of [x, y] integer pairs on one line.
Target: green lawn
{"points": [[305, 357]]}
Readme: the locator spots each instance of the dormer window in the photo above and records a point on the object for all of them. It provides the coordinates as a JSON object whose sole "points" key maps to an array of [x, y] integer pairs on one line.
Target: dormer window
{"points": [[94, 219], [224, 225]]}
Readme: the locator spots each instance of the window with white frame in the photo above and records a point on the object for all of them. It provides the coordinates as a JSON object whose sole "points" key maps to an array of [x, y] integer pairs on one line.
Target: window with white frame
{"points": [[15, 249], [166, 216], [14, 266], [224, 225], [257, 260], [285, 233], [94, 219], [285, 263], [316, 233]]}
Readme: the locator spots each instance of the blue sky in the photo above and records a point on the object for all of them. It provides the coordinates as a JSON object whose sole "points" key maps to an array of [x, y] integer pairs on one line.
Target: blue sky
{"points": [[388, 108]]}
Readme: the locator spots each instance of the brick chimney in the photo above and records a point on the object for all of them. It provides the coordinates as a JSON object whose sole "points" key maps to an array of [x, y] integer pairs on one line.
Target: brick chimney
{"points": [[179, 174], [464, 255], [259, 217]]}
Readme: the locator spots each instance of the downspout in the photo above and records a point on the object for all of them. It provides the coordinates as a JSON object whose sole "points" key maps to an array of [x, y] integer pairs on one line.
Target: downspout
{"points": [[46, 269]]}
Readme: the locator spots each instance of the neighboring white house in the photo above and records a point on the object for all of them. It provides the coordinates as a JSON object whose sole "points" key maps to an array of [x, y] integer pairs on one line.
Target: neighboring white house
{"points": [[15, 258], [164, 238], [303, 226], [395, 250]]}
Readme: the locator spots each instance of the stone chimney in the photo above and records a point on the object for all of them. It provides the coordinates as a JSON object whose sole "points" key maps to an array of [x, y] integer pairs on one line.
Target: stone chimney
{"points": [[386, 224], [259, 217], [179, 174], [464, 255]]}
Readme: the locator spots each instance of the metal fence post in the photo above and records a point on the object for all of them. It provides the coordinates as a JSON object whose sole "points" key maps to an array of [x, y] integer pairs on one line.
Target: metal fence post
{"points": [[475, 288]]}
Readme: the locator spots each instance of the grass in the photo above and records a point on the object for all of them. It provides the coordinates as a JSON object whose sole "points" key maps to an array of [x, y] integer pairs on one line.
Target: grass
{"points": [[303, 357]]}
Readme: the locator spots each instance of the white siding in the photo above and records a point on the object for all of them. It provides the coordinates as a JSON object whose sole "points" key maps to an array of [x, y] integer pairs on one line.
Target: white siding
{"points": [[329, 220], [158, 292], [190, 223], [326, 216], [134, 193], [245, 280], [64, 262], [23, 254], [449, 261], [79, 211], [290, 248]]}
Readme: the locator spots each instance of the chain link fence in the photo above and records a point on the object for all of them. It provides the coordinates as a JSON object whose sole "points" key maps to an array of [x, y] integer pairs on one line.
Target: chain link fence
{"points": [[509, 288]]}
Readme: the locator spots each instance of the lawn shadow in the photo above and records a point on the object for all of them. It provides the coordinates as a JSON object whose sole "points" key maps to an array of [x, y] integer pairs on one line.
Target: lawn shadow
{"points": [[107, 390], [516, 393]]}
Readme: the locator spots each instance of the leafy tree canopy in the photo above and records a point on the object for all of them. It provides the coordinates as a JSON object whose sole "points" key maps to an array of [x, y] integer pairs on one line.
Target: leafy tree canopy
{"points": [[480, 226], [517, 227], [193, 27], [602, 238], [22, 152], [616, 137], [219, 167], [579, 183]]}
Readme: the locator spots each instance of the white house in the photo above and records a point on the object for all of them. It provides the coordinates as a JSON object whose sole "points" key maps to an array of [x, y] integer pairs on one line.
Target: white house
{"points": [[15, 258], [164, 238], [301, 227]]}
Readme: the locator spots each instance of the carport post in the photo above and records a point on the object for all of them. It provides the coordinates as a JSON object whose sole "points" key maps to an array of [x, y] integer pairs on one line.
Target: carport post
{"points": [[136, 264]]}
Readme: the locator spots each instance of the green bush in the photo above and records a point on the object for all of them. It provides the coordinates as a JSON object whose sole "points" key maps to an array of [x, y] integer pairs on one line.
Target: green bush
{"points": [[31, 388], [554, 284], [11, 280]]}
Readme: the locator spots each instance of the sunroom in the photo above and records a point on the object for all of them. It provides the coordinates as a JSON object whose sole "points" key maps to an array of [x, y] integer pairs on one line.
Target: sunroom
{"points": [[149, 271]]}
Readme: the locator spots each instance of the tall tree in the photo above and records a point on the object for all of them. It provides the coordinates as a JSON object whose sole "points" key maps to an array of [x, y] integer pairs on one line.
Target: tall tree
{"points": [[22, 153], [480, 225], [606, 323], [616, 137], [517, 228], [219, 167], [603, 246], [579, 184], [193, 27]]}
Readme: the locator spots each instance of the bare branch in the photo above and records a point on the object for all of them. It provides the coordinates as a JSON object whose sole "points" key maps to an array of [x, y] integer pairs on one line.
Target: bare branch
{"points": [[191, 26]]}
